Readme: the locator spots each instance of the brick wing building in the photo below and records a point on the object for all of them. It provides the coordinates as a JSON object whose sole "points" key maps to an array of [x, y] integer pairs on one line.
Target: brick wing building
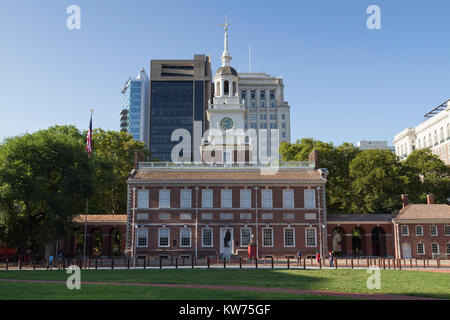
{"points": [[178, 211]]}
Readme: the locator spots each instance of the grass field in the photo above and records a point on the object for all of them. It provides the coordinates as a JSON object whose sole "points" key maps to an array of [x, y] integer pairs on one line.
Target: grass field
{"points": [[411, 283]]}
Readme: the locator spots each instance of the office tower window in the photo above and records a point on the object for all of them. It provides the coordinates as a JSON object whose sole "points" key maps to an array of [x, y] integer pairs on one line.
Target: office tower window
{"points": [[267, 237], [163, 237], [246, 234], [207, 237], [143, 199], [185, 237], [207, 198], [289, 237], [142, 237]]}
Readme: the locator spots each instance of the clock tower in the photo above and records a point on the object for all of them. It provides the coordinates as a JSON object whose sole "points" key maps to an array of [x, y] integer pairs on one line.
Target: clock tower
{"points": [[226, 140]]}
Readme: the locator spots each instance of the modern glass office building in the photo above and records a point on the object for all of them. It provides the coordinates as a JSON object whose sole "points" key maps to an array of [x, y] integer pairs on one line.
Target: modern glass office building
{"points": [[134, 114], [179, 95]]}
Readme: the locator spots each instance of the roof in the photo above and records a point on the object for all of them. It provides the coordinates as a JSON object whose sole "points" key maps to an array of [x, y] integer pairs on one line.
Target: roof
{"points": [[226, 176], [102, 218], [424, 212], [361, 217], [226, 70]]}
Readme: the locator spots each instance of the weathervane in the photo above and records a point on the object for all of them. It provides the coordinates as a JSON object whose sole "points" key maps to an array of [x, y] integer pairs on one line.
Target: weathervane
{"points": [[226, 24]]}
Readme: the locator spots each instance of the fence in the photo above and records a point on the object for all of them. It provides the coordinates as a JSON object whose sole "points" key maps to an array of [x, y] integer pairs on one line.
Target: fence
{"points": [[234, 262]]}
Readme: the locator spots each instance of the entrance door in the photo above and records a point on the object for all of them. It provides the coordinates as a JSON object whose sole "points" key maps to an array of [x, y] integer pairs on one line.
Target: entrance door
{"points": [[226, 238], [406, 250]]}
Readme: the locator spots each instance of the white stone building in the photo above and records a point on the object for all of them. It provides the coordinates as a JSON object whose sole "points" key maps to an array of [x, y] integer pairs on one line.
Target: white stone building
{"points": [[433, 133], [371, 145]]}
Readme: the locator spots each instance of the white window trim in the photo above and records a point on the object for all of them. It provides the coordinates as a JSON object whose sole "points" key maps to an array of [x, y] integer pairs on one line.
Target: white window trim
{"points": [[262, 233], [241, 243], [162, 191], [242, 204], [447, 245], [424, 250], [137, 238], [223, 203], [445, 233], [190, 238], [419, 234], [139, 197], [438, 249], [264, 201], [287, 205], [407, 229], [204, 191], [437, 231], [315, 238], [212, 237], [293, 237], [159, 238], [306, 191], [184, 191]]}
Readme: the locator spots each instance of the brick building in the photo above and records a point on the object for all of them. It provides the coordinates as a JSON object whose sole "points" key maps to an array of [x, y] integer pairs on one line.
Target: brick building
{"points": [[180, 211], [422, 230]]}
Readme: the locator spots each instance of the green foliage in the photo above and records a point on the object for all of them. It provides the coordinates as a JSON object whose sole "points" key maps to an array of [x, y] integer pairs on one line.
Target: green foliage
{"points": [[45, 178], [372, 181]]}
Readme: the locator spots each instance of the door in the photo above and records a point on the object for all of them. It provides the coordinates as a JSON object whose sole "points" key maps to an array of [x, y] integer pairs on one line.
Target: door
{"points": [[406, 250], [226, 239]]}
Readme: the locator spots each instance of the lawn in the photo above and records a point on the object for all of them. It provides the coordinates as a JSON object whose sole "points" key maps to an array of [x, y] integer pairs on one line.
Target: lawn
{"points": [[412, 283]]}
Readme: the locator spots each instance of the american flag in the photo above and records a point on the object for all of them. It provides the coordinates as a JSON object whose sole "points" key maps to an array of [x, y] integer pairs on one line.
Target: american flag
{"points": [[89, 139]]}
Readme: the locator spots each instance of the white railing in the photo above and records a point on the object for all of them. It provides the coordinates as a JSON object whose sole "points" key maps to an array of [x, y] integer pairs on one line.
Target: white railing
{"points": [[188, 165]]}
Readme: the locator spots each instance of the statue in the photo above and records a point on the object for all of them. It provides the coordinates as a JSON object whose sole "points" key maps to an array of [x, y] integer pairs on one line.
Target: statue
{"points": [[226, 239]]}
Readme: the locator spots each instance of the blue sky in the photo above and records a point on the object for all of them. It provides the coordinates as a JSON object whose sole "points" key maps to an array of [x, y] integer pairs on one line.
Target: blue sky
{"points": [[343, 81]]}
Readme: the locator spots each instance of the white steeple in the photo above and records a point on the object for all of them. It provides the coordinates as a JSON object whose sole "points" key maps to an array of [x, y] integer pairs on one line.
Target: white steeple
{"points": [[226, 58]]}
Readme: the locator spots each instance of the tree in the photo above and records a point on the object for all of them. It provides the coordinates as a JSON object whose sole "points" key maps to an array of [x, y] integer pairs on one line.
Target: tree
{"points": [[428, 174], [45, 178], [378, 181], [113, 161]]}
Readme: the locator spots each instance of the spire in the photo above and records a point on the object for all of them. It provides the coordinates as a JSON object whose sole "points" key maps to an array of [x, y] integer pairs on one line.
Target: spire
{"points": [[226, 58]]}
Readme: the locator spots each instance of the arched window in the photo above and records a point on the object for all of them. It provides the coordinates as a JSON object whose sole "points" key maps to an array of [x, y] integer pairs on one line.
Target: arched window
{"points": [[430, 144], [116, 243], [435, 137], [402, 153], [420, 144], [424, 142], [226, 88], [78, 243], [448, 131], [218, 88], [234, 88], [97, 243], [442, 134]]}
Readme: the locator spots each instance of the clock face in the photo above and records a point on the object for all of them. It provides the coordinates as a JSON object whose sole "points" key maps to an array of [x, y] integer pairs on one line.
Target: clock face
{"points": [[226, 123]]}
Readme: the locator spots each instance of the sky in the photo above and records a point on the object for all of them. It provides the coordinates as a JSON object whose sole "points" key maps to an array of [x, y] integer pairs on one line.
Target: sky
{"points": [[344, 82]]}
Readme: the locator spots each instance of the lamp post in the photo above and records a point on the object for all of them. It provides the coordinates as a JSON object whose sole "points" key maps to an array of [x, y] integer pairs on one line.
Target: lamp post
{"points": [[133, 231], [196, 221], [320, 223], [257, 226]]}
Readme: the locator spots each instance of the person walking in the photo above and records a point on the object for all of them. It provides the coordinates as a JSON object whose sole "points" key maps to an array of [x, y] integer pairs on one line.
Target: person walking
{"points": [[318, 257], [331, 258]]}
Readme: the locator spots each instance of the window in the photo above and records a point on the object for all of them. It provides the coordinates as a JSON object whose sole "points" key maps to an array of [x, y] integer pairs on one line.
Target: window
{"points": [[227, 157], [143, 199], [253, 125], [263, 117], [283, 117], [253, 95], [283, 125], [266, 197], [243, 94], [263, 95], [164, 198], [289, 238], [253, 104], [246, 234], [448, 248], [405, 231], [163, 237], [264, 125], [186, 198], [267, 237], [227, 200], [272, 95], [185, 237], [420, 248], [311, 240], [272, 104], [433, 230], [310, 198], [288, 198], [253, 117], [207, 237], [419, 231], [246, 201], [142, 237], [434, 248], [207, 198], [263, 104], [447, 230], [273, 126], [283, 135]]}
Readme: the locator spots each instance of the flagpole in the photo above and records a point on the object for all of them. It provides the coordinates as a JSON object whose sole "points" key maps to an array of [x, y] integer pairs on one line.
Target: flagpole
{"points": [[87, 199]]}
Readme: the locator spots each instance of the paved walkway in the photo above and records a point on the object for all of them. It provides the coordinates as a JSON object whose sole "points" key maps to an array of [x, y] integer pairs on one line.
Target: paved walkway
{"points": [[366, 296]]}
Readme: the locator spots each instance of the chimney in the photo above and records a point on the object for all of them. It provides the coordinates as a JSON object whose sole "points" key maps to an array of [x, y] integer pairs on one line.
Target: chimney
{"points": [[430, 199], [405, 200], [314, 157]]}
